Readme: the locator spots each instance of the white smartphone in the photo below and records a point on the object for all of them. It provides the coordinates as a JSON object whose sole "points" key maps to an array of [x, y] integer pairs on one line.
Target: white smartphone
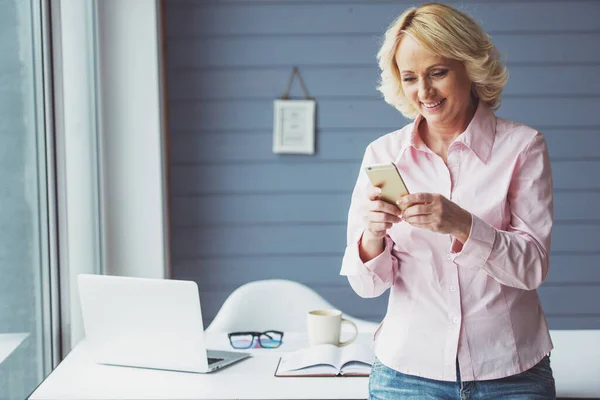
{"points": [[387, 177]]}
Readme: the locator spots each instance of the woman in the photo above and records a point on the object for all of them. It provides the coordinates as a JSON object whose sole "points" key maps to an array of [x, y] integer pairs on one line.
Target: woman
{"points": [[464, 253]]}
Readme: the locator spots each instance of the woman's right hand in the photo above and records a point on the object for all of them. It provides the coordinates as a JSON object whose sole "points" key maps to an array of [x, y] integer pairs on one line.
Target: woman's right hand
{"points": [[379, 216]]}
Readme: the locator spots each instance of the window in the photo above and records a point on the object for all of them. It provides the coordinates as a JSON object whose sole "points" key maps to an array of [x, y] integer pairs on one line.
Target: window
{"points": [[26, 340]]}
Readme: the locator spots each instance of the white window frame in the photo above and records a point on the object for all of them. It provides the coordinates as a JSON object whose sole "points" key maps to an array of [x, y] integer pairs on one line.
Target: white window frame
{"points": [[112, 192], [78, 190]]}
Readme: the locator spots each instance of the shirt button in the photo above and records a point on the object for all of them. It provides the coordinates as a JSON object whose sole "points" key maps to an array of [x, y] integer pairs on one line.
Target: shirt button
{"points": [[455, 320], [449, 257], [453, 288]]}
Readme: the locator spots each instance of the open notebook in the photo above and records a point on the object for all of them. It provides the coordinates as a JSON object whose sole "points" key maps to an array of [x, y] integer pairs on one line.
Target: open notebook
{"points": [[327, 360]]}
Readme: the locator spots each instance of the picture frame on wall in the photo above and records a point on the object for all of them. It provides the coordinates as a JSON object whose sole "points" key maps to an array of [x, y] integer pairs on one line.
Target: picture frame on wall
{"points": [[294, 126]]}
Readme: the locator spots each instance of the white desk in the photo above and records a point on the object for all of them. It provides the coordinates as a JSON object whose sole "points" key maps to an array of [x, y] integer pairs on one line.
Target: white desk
{"points": [[575, 361], [79, 378]]}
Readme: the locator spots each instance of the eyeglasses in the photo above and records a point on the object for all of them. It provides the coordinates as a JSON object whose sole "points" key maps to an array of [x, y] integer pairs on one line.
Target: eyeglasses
{"points": [[245, 340]]}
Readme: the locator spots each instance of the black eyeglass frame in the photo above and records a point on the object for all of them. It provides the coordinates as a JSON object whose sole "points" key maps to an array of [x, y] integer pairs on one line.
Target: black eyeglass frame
{"points": [[255, 335]]}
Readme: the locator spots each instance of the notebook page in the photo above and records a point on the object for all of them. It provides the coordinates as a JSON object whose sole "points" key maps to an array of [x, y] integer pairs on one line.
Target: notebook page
{"points": [[316, 355], [354, 367], [357, 352], [315, 370]]}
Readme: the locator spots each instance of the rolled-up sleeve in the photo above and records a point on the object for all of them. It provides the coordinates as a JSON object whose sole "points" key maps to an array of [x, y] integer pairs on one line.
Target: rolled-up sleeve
{"points": [[374, 277], [519, 256]]}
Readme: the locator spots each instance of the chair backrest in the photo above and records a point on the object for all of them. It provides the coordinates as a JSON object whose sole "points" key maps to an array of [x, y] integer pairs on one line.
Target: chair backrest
{"points": [[269, 304]]}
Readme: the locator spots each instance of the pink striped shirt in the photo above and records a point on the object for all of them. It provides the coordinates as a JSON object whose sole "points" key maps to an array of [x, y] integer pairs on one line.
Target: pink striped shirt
{"points": [[477, 302]]}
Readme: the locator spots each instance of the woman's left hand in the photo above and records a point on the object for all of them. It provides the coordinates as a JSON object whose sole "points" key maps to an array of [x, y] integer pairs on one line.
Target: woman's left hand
{"points": [[436, 213]]}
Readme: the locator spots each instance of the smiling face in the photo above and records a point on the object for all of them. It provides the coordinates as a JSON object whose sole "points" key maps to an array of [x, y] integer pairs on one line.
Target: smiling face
{"points": [[437, 87]]}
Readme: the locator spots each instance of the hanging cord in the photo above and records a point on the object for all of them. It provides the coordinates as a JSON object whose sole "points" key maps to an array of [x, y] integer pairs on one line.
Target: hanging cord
{"points": [[295, 71]]}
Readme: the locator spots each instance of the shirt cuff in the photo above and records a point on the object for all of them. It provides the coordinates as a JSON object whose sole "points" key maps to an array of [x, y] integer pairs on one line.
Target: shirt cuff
{"points": [[478, 247], [353, 265]]}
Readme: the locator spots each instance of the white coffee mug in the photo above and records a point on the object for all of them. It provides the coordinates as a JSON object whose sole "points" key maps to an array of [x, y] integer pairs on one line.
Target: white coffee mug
{"points": [[324, 326]]}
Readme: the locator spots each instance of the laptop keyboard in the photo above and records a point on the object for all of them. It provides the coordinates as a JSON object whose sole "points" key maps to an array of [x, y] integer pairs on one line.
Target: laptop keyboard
{"points": [[214, 360]]}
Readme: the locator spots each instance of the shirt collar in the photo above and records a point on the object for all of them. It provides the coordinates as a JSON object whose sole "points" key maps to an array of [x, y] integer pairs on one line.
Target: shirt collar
{"points": [[415, 139], [478, 137], [481, 132]]}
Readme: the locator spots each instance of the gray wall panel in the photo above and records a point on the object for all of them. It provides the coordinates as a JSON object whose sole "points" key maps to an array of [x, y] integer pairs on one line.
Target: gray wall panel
{"points": [[259, 240], [324, 207], [256, 146], [583, 300], [333, 145], [278, 239], [576, 238], [356, 113], [297, 208], [359, 81], [255, 51], [229, 272], [273, 19], [573, 321], [339, 175], [252, 178]]}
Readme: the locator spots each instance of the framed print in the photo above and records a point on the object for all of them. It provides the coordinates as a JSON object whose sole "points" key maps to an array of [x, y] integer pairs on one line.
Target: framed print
{"points": [[294, 126]]}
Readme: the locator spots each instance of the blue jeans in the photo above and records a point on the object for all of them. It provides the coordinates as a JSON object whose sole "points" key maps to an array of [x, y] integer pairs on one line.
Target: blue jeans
{"points": [[536, 383]]}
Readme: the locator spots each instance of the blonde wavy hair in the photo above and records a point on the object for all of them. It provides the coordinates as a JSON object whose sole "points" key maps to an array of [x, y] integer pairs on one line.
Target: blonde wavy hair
{"points": [[449, 33]]}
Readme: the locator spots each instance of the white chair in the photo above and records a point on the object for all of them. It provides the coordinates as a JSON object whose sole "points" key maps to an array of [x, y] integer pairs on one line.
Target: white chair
{"points": [[273, 304]]}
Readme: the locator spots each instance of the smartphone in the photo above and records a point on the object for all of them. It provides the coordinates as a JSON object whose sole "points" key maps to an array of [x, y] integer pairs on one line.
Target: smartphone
{"points": [[387, 177]]}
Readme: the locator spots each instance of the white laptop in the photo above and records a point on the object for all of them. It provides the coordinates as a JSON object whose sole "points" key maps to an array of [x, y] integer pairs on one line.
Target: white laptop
{"points": [[148, 323]]}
